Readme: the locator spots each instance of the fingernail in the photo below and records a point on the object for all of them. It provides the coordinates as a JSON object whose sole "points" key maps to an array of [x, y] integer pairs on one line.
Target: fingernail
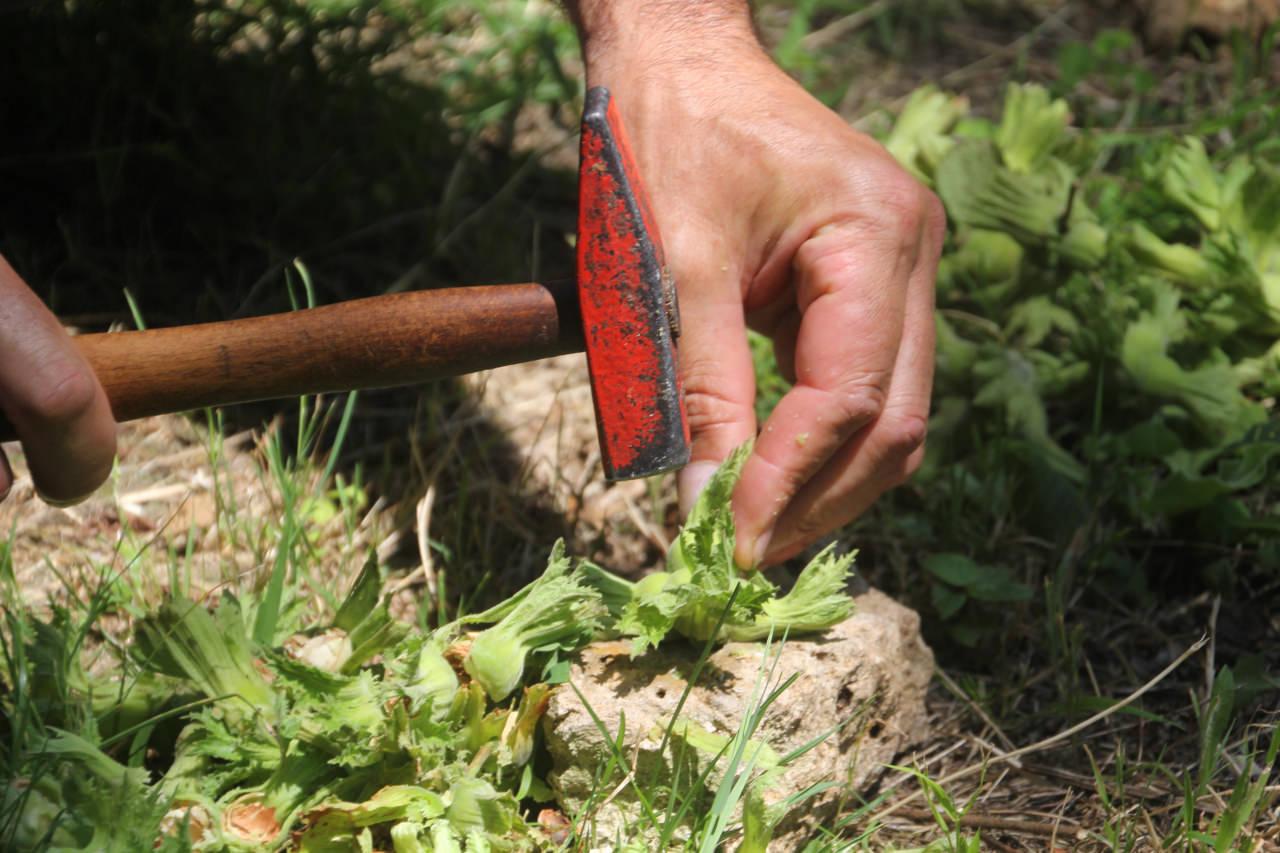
{"points": [[749, 555], [762, 548], [692, 480]]}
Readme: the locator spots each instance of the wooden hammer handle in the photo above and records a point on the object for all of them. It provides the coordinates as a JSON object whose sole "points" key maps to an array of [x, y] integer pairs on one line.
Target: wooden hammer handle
{"points": [[377, 342]]}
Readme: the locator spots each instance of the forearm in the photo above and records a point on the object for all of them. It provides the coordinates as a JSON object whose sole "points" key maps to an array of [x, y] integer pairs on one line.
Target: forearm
{"points": [[659, 31]]}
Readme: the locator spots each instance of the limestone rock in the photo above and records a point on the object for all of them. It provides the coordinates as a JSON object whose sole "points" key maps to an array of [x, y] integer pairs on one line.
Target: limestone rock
{"points": [[869, 672]]}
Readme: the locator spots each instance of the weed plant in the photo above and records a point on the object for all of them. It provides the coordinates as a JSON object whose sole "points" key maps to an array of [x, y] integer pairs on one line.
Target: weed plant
{"points": [[189, 152]]}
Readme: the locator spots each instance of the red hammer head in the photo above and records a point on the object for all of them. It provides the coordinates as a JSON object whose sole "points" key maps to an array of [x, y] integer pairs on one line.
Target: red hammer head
{"points": [[629, 315]]}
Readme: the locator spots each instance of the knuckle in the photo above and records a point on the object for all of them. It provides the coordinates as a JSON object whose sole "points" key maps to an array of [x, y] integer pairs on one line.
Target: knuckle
{"points": [[905, 436], [707, 405], [827, 270], [859, 401], [810, 526], [904, 449], [68, 394], [900, 204], [935, 217], [787, 481]]}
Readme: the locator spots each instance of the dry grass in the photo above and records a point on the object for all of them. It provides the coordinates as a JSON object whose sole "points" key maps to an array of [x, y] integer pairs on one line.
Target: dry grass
{"points": [[1024, 795], [469, 483], [180, 506]]}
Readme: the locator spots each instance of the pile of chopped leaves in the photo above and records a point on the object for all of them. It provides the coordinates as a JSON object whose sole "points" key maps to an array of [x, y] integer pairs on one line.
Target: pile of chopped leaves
{"points": [[1147, 297], [360, 734], [1108, 332]]}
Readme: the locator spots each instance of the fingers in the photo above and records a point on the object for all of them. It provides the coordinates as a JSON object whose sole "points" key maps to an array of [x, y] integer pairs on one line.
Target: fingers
{"points": [[781, 323], [822, 234], [859, 287], [715, 367], [50, 395], [882, 455]]}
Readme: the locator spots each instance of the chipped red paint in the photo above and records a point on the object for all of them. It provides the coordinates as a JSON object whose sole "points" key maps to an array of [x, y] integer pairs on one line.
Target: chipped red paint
{"points": [[627, 309]]}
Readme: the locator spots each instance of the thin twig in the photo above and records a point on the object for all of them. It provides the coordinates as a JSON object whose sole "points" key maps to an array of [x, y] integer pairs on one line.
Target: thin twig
{"points": [[426, 571], [999, 846], [1007, 824], [642, 524], [1211, 652], [1144, 791], [1052, 740], [422, 515], [843, 26], [925, 763], [993, 55], [976, 708]]}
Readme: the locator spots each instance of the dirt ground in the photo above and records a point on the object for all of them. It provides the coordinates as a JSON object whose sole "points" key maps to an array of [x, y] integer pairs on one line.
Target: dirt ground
{"points": [[521, 448], [167, 492]]}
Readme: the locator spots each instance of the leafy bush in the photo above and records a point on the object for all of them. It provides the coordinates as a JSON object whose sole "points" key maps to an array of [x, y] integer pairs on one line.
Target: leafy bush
{"points": [[1108, 355]]}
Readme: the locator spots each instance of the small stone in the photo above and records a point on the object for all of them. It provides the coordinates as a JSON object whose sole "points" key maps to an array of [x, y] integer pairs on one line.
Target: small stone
{"points": [[870, 672]]}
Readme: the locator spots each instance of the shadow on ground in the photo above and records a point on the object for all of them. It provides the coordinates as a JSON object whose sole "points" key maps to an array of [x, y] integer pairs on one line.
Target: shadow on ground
{"points": [[188, 153]]}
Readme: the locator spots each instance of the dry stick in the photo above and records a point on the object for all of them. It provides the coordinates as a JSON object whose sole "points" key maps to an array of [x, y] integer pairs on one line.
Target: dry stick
{"points": [[652, 534], [426, 571], [371, 514], [926, 762], [959, 693], [1145, 791], [1151, 825], [1211, 801], [422, 515], [155, 493], [1000, 846], [1008, 824], [1060, 736], [1211, 652], [999, 52], [390, 544], [1067, 801], [995, 786], [990, 57], [843, 26]]}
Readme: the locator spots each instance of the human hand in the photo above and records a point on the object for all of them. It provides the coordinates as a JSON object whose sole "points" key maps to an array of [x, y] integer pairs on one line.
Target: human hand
{"points": [[50, 395], [777, 215]]}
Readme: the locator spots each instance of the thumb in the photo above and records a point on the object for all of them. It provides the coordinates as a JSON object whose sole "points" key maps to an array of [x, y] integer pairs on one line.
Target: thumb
{"points": [[715, 367]]}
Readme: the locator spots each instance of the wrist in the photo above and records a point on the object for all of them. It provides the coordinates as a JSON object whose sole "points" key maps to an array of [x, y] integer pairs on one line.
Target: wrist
{"points": [[625, 38]]}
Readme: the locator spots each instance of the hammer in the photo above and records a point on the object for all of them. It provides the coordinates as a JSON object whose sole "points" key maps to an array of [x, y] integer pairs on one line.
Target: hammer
{"points": [[622, 312]]}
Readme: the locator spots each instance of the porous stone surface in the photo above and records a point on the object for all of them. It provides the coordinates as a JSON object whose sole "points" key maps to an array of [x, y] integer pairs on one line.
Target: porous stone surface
{"points": [[870, 672]]}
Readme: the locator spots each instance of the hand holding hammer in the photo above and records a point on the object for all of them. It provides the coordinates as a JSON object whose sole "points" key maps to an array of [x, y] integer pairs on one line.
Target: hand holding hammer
{"points": [[778, 216], [622, 312]]}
